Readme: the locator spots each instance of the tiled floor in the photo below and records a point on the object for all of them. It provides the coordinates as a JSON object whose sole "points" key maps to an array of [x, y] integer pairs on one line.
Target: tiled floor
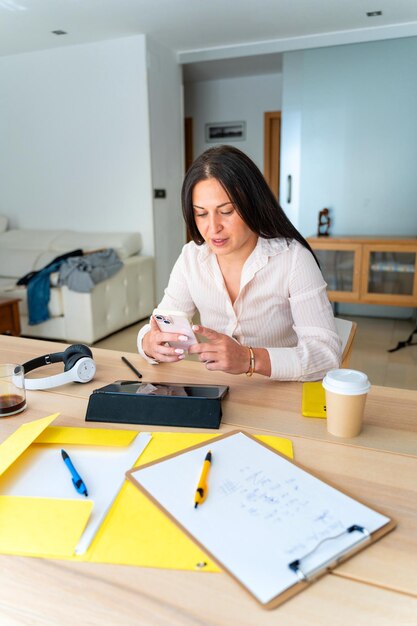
{"points": [[373, 338]]}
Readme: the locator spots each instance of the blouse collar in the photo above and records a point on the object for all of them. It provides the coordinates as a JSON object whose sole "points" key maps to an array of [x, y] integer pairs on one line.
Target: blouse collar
{"points": [[264, 248]]}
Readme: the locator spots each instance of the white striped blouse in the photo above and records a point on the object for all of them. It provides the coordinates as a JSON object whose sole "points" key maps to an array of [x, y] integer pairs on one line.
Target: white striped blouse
{"points": [[282, 305]]}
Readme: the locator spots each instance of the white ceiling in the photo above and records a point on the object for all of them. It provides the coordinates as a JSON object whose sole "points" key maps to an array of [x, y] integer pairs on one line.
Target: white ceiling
{"points": [[205, 30]]}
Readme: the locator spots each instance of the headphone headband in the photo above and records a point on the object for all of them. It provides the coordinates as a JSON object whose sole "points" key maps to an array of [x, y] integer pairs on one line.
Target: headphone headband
{"points": [[40, 361]]}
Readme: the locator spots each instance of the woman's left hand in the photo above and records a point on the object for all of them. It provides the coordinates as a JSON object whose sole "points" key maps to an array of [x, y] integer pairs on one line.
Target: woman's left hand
{"points": [[221, 352]]}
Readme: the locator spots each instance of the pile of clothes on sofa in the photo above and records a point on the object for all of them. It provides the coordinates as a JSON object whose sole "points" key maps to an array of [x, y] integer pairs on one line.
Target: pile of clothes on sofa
{"points": [[77, 270]]}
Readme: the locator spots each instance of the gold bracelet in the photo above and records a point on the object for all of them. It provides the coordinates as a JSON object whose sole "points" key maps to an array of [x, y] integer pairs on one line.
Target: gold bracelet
{"points": [[251, 362]]}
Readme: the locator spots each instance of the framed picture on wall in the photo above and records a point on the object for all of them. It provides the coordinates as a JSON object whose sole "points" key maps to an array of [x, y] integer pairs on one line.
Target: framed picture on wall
{"points": [[225, 131]]}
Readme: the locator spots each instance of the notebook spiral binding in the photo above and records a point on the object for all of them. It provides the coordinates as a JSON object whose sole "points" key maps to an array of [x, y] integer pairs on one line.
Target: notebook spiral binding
{"points": [[303, 576]]}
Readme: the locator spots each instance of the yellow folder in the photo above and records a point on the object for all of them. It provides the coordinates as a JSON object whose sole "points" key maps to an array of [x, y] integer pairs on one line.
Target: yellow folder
{"points": [[38, 526], [134, 532]]}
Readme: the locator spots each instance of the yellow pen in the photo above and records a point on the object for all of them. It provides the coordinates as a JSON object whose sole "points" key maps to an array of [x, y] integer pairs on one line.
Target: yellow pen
{"points": [[201, 491]]}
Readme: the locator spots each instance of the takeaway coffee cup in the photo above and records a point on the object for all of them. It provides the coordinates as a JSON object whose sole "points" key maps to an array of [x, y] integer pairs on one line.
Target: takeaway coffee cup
{"points": [[346, 392], [12, 389]]}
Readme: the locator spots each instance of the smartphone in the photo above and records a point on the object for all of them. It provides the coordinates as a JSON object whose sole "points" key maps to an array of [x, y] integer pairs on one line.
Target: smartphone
{"points": [[175, 322]]}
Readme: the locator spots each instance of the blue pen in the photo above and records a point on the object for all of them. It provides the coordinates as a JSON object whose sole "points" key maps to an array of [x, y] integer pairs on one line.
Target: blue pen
{"points": [[76, 478]]}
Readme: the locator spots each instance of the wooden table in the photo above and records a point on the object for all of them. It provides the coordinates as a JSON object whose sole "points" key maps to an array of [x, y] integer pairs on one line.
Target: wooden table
{"points": [[9, 316], [377, 586]]}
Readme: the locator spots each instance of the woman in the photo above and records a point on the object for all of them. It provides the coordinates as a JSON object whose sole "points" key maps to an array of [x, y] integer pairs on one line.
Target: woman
{"points": [[251, 276]]}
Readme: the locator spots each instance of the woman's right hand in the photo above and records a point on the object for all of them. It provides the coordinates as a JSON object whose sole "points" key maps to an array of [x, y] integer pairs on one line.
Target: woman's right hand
{"points": [[155, 345]]}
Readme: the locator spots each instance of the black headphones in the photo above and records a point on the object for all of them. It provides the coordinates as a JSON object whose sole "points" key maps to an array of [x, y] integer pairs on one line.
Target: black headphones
{"points": [[79, 367]]}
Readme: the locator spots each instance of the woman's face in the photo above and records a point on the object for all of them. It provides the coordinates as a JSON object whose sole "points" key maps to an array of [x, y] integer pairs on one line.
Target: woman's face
{"points": [[219, 223]]}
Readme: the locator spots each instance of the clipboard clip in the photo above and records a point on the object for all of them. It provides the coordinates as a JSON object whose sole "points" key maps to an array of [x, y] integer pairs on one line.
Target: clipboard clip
{"points": [[304, 576]]}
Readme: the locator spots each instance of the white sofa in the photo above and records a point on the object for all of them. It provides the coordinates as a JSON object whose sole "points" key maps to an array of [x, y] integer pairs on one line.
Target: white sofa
{"points": [[120, 300]]}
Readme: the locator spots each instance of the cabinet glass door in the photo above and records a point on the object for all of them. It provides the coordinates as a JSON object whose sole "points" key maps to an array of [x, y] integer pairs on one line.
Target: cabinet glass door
{"points": [[337, 268], [391, 273], [340, 266]]}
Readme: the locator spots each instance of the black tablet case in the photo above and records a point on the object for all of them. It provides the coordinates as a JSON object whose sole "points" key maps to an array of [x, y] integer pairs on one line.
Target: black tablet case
{"points": [[120, 403]]}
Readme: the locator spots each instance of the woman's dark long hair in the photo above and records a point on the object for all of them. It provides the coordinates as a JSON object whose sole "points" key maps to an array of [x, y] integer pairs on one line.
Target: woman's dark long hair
{"points": [[247, 190]]}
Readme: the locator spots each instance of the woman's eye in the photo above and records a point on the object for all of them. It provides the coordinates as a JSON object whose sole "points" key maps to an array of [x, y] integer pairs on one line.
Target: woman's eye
{"points": [[227, 212], [200, 214]]}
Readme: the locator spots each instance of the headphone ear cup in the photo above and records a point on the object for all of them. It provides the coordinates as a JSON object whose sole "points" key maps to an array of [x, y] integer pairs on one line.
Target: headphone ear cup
{"points": [[74, 353]]}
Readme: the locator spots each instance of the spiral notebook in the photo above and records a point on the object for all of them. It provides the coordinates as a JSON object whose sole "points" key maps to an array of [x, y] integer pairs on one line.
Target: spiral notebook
{"points": [[268, 522]]}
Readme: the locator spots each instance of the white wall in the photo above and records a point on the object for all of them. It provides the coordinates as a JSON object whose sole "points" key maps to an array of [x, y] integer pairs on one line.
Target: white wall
{"points": [[350, 112], [166, 129], [234, 100], [349, 140], [74, 138]]}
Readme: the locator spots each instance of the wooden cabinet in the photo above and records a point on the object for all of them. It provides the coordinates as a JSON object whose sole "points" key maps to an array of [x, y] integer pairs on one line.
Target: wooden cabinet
{"points": [[9, 316], [369, 270]]}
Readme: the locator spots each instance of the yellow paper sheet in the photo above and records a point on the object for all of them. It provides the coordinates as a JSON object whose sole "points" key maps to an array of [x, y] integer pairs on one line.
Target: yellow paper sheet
{"points": [[87, 436], [55, 525], [22, 438]]}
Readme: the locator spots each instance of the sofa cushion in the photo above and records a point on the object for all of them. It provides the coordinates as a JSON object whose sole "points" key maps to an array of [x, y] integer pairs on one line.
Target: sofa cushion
{"points": [[125, 244], [28, 239], [17, 263], [25, 250], [61, 241], [45, 258]]}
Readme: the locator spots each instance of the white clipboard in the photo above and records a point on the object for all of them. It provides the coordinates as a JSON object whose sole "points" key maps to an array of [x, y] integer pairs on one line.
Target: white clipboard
{"points": [[269, 523]]}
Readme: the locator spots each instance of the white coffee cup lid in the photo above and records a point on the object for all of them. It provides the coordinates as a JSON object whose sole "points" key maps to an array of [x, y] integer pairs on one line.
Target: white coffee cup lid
{"points": [[347, 382]]}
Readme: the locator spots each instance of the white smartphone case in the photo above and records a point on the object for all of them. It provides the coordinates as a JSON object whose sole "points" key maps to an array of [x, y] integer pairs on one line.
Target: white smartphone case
{"points": [[175, 322]]}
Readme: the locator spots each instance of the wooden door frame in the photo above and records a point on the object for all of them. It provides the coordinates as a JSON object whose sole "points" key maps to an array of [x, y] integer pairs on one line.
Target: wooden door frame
{"points": [[188, 153], [272, 149], [188, 142]]}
